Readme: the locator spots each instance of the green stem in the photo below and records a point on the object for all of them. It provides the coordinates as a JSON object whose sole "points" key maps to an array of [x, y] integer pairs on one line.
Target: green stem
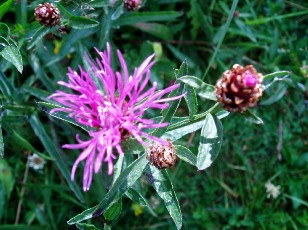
{"points": [[197, 118]]}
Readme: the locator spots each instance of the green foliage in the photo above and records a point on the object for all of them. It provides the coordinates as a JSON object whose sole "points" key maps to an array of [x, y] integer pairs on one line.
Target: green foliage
{"points": [[194, 42]]}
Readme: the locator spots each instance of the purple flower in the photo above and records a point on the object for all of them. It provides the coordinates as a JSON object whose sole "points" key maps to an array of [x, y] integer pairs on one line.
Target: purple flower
{"points": [[114, 111], [250, 80]]}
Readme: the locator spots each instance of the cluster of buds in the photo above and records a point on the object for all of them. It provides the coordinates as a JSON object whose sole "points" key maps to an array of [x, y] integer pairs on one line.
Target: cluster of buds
{"points": [[132, 4], [47, 14], [239, 88], [161, 156]]}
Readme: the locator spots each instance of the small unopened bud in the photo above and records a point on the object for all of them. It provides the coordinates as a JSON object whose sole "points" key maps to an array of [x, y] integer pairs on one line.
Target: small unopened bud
{"points": [[132, 4], [47, 14], [161, 156], [239, 88]]}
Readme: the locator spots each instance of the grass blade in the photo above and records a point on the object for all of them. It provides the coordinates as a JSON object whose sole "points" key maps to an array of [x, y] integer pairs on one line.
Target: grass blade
{"points": [[210, 143], [125, 181], [164, 188], [40, 132]]}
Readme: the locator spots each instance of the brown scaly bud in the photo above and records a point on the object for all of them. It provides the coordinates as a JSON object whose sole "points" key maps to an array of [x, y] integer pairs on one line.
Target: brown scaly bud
{"points": [[132, 4], [239, 88], [161, 156], [47, 14]]}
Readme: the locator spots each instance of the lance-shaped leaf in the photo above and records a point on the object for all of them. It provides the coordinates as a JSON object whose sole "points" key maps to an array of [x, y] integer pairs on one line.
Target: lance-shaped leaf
{"points": [[276, 74], [191, 100], [83, 226], [1, 139], [204, 90], [210, 143], [163, 186], [136, 17], [252, 118], [79, 22], [125, 181], [179, 132], [47, 107], [50, 147], [4, 7], [12, 54], [38, 35], [6, 88], [139, 199], [186, 155], [276, 94], [170, 111], [114, 211]]}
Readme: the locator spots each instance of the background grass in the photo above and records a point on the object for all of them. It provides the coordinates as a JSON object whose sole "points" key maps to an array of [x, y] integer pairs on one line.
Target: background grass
{"points": [[231, 194]]}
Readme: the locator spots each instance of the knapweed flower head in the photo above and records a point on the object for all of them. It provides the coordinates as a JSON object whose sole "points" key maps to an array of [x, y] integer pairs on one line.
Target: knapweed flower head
{"points": [[239, 88], [36, 162], [132, 4], [114, 112], [161, 156], [47, 14]]}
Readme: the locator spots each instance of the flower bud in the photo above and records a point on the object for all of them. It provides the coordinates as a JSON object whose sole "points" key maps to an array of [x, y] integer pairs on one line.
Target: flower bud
{"points": [[132, 4], [239, 88], [161, 156], [47, 14]]}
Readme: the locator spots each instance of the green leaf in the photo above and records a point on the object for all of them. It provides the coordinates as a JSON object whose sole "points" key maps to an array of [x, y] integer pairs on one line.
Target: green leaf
{"points": [[125, 181], [79, 22], [105, 30], [222, 114], [70, 40], [7, 178], [179, 132], [276, 17], [4, 7], [247, 31], [137, 17], [252, 118], [139, 199], [158, 30], [132, 146], [84, 226], [50, 147], [114, 211], [2, 199], [36, 65], [275, 94], [191, 100], [107, 226], [22, 227], [210, 142], [26, 145], [64, 11], [38, 35], [181, 127], [6, 87], [4, 31], [12, 54], [204, 90], [47, 107], [1, 139], [186, 155], [181, 56], [39, 93], [100, 3], [220, 35], [170, 111], [276, 74], [164, 188]]}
